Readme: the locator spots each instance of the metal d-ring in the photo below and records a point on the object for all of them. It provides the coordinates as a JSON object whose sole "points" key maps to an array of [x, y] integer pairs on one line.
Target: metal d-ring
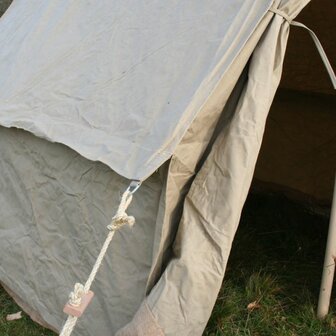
{"points": [[134, 186]]}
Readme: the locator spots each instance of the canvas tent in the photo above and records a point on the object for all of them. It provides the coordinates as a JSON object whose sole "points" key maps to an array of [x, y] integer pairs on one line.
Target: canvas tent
{"points": [[95, 94]]}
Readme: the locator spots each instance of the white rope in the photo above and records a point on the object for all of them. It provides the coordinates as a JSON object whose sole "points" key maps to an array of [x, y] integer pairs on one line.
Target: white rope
{"points": [[120, 219]]}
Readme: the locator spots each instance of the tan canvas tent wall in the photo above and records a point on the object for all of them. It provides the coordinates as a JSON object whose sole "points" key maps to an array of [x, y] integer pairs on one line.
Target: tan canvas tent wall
{"points": [[175, 95]]}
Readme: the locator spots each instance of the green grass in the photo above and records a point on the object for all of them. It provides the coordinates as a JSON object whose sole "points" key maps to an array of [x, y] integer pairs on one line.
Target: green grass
{"points": [[275, 261], [24, 326]]}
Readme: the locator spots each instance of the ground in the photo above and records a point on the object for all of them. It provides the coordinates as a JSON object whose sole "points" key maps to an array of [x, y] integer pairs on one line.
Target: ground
{"points": [[275, 267]]}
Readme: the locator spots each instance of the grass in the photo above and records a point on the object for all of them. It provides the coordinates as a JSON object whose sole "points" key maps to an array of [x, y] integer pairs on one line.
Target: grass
{"points": [[275, 264], [24, 326]]}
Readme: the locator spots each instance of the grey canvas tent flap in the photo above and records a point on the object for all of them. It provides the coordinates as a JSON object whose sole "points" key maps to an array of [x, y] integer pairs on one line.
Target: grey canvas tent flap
{"points": [[119, 81], [197, 85]]}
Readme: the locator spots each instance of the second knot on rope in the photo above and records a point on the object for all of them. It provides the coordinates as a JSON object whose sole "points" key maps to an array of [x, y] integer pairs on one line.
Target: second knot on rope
{"points": [[121, 218], [119, 221], [75, 297]]}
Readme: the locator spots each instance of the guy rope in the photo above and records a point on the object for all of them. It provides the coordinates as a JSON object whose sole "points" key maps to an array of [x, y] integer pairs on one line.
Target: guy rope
{"points": [[81, 296]]}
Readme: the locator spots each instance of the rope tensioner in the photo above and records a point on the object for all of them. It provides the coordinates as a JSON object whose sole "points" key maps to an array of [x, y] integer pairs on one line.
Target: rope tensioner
{"points": [[81, 296]]}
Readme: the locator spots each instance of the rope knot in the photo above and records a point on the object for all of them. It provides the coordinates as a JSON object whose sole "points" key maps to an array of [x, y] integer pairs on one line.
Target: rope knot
{"points": [[121, 218], [75, 297]]}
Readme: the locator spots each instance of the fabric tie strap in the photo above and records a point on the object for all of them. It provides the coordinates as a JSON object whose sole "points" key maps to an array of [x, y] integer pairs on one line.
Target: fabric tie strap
{"points": [[321, 52], [316, 41], [283, 14]]}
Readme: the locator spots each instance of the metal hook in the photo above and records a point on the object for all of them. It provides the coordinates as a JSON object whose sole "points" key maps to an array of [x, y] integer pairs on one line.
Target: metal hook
{"points": [[134, 186]]}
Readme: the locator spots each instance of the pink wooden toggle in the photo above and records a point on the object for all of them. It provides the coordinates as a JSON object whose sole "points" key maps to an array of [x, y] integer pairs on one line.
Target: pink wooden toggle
{"points": [[77, 311]]}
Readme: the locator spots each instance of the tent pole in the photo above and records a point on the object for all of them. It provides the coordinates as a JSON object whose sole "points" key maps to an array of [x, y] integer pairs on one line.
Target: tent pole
{"points": [[329, 264]]}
